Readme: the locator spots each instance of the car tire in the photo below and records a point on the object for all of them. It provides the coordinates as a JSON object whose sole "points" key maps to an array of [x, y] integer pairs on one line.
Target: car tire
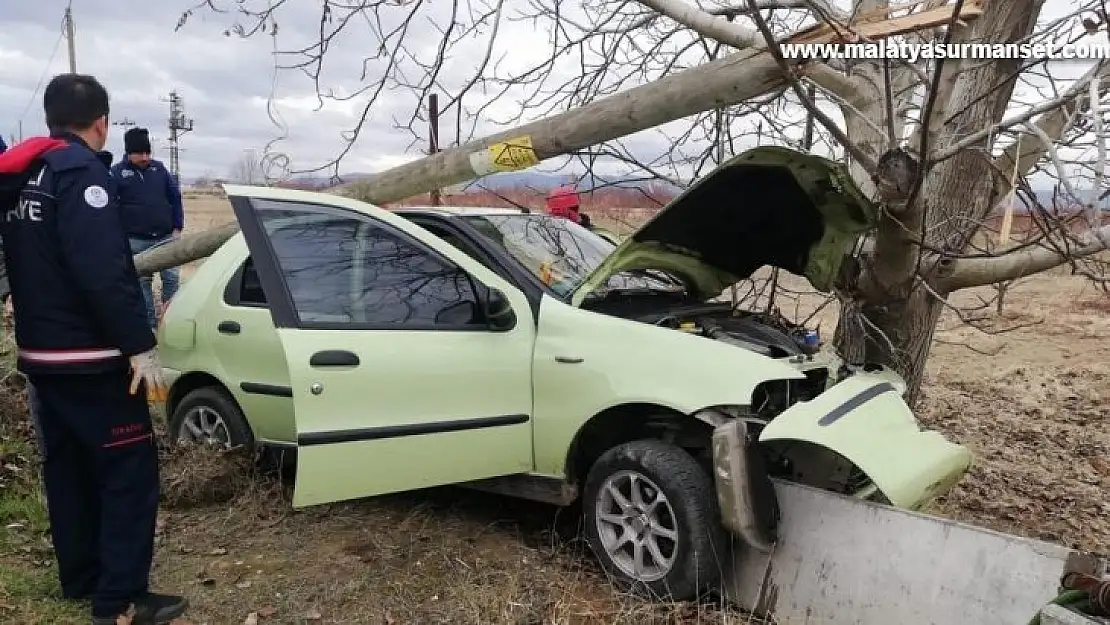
{"points": [[693, 543], [211, 410]]}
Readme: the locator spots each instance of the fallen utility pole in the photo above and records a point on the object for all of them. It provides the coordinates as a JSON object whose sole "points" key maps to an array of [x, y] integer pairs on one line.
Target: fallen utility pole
{"points": [[745, 75], [725, 82]]}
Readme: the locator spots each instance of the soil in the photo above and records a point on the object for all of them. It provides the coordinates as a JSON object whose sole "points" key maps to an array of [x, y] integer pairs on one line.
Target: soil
{"points": [[1029, 402]]}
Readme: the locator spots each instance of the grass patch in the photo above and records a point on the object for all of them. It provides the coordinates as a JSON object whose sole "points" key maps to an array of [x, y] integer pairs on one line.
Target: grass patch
{"points": [[32, 596]]}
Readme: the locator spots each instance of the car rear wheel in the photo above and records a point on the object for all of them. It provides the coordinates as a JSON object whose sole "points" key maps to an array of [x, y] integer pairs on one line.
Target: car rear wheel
{"points": [[652, 521], [209, 416]]}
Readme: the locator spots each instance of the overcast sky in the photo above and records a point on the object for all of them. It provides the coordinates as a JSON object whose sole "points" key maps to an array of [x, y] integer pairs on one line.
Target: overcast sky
{"points": [[225, 81]]}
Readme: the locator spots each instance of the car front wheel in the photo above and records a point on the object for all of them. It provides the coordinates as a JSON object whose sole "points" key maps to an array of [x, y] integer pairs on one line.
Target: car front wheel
{"points": [[209, 416], [652, 521]]}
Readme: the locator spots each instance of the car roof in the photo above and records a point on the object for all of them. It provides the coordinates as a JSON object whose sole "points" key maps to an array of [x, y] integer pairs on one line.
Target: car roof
{"points": [[278, 193], [459, 211]]}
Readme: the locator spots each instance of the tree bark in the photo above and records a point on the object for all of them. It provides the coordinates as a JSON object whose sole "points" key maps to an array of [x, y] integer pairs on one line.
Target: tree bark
{"points": [[969, 273], [184, 250], [894, 319]]}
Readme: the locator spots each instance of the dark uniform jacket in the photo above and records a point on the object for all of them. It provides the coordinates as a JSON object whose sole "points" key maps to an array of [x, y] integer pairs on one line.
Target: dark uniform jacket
{"points": [[149, 200], [78, 304]]}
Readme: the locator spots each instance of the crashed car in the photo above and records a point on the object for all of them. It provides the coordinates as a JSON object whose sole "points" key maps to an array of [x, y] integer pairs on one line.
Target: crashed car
{"points": [[523, 354]]}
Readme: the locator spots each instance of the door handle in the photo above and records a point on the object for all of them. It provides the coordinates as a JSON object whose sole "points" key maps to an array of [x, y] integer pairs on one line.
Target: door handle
{"points": [[568, 360], [229, 327], [334, 358]]}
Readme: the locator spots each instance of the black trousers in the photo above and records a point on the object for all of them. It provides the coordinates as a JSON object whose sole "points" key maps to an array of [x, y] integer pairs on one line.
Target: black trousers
{"points": [[101, 475]]}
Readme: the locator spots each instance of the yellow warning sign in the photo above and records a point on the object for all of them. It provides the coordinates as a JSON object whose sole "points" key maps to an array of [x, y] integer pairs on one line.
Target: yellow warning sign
{"points": [[514, 154]]}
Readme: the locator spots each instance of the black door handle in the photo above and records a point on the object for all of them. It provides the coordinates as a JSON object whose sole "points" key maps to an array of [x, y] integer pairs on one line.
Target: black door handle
{"points": [[228, 327], [334, 358]]}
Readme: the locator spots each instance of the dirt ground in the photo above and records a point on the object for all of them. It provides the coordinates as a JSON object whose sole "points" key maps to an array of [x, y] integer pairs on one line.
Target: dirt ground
{"points": [[1029, 402]]}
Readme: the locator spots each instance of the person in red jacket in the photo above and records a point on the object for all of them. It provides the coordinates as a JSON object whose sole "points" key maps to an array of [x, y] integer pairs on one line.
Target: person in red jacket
{"points": [[564, 202]]}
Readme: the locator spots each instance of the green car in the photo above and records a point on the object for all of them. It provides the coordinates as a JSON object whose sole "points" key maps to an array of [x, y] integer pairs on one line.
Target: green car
{"points": [[523, 354]]}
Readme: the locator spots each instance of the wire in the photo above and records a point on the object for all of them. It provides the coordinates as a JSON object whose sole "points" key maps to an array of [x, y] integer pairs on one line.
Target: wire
{"points": [[42, 76]]}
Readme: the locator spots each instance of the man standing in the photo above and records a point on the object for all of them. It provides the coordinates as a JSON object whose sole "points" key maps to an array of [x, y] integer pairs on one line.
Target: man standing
{"points": [[150, 203], [79, 323]]}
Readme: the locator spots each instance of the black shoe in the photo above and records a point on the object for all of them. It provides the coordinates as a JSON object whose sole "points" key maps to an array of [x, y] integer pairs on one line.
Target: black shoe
{"points": [[152, 609]]}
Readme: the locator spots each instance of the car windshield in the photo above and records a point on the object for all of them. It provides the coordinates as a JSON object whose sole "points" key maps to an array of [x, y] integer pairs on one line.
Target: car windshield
{"points": [[562, 253]]}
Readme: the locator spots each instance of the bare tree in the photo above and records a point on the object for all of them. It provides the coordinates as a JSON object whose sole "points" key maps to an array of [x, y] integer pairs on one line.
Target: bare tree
{"points": [[940, 143], [247, 169]]}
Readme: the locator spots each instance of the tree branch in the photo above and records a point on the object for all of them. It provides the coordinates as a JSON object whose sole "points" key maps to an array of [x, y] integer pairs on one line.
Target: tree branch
{"points": [[706, 24], [1069, 97], [732, 34], [1053, 124], [821, 8], [967, 273], [861, 157]]}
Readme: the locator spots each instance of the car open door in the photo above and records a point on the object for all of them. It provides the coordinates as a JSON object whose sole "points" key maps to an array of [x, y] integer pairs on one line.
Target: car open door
{"points": [[403, 375]]}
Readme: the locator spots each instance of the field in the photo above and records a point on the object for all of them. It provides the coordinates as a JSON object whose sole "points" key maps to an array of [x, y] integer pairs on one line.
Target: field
{"points": [[1031, 403]]}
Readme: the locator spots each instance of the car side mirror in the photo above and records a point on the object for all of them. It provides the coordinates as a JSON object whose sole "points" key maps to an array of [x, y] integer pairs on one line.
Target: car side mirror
{"points": [[499, 313], [460, 313]]}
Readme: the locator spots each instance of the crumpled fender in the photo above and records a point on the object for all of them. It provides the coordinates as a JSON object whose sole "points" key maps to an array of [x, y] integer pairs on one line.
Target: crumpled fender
{"points": [[865, 420]]}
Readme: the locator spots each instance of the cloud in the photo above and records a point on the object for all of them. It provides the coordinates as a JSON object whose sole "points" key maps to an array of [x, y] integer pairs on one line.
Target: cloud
{"points": [[226, 82]]}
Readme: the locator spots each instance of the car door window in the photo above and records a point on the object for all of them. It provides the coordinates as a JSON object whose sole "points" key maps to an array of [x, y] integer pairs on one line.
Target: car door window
{"points": [[244, 289], [353, 270]]}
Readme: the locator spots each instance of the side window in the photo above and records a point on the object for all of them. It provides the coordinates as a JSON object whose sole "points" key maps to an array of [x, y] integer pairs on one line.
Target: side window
{"points": [[250, 289], [456, 242], [349, 270], [244, 288]]}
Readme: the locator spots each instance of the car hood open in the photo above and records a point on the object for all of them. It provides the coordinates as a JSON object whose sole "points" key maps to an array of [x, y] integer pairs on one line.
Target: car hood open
{"points": [[767, 206]]}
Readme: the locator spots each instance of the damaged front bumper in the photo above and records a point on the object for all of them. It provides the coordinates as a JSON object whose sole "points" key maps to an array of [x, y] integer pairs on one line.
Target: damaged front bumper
{"points": [[862, 419]]}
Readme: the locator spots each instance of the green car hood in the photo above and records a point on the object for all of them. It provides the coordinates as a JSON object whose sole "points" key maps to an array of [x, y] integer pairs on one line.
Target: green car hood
{"points": [[767, 206]]}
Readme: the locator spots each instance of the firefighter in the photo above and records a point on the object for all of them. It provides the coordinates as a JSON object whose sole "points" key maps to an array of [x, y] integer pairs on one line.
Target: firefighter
{"points": [[85, 343]]}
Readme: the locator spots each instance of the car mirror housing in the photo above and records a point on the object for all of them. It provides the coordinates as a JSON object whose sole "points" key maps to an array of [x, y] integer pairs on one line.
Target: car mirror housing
{"points": [[499, 313]]}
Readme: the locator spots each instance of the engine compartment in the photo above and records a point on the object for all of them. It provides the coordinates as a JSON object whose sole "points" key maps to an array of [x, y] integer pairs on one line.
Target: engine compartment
{"points": [[767, 333], [771, 335]]}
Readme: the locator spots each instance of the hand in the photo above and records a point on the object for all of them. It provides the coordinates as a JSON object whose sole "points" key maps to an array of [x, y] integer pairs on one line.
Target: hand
{"points": [[147, 369]]}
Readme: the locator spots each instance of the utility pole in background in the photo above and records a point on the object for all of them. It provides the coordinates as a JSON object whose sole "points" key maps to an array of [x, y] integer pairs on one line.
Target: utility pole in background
{"points": [[433, 138], [178, 125], [68, 20], [124, 122]]}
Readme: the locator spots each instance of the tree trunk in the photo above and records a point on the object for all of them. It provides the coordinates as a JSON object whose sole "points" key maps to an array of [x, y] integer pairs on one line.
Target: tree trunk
{"points": [[899, 335], [894, 313]]}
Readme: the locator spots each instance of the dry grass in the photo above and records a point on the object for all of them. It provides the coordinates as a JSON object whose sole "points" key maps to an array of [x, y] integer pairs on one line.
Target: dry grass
{"points": [[1034, 412]]}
